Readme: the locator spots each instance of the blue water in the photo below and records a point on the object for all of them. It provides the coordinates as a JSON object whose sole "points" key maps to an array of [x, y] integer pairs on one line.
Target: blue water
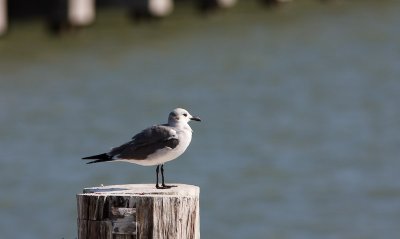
{"points": [[300, 109]]}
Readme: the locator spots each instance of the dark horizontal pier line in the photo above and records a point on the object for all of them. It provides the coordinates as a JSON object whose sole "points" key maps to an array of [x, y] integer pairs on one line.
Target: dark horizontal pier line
{"points": [[61, 15]]}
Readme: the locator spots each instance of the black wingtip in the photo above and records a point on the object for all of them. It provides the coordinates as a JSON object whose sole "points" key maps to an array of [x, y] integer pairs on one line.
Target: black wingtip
{"points": [[98, 158]]}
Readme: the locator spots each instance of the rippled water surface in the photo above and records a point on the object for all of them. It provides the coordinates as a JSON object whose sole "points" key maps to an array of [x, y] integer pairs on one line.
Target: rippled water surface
{"points": [[300, 109]]}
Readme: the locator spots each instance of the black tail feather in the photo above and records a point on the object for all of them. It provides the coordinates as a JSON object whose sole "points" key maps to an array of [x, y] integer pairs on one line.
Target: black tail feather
{"points": [[99, 158]]}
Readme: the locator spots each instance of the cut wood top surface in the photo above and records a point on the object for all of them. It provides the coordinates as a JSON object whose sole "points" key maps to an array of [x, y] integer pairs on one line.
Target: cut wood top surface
{"points": [[145, 190]]}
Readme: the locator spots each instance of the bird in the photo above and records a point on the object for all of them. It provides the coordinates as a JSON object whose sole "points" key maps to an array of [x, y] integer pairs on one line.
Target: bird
{"points": [[154, 145]]}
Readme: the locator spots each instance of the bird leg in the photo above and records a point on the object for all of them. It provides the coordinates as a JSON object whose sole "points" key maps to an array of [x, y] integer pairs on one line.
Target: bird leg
{"points": [[162, 177], [157, 170], [163, 186]]}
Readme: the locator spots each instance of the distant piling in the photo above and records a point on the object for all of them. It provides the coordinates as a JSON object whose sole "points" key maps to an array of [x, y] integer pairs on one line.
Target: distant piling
{"points": [[81, 12], [3, 17], [206, 5], [139, 211], [64, 15], [143, 9], [226, 3]]}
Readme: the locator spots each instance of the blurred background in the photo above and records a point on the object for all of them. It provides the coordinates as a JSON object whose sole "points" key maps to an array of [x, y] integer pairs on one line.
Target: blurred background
{"points": [[299, 104]]}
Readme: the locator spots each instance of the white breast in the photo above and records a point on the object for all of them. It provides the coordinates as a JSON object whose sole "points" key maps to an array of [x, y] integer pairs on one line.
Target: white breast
{"points": [[167, 154]]}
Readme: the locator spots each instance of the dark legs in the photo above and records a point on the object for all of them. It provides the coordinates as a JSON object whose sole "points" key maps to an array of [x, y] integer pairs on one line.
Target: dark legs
{"points": [[157, 169], [162, 176], [163, 186]]}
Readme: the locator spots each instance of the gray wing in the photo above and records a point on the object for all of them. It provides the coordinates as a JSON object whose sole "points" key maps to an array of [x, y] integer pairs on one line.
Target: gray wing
{"points": [[147, 142]]}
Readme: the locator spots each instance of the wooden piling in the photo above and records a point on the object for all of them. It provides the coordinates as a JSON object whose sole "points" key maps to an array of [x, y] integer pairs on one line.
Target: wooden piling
{"points": [[226, 3], [3, 17], [64, 15], [160, 8], [139, 211], [81, 12], [142, 9], [207, 5]]}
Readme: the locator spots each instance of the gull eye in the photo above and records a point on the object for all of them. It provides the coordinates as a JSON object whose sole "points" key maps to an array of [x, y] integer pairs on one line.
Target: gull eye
{"points": [[185, 115]]}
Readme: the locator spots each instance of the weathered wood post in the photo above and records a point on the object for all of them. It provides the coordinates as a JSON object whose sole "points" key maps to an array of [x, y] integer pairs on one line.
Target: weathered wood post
{"points": [[206, 5], [142, 9], [226, 3], [3, 17], [81, 12], [66, 14], [139, 211]]}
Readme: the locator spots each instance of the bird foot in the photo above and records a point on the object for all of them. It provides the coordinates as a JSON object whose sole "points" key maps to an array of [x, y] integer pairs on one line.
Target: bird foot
{"points": [[165, 186]]}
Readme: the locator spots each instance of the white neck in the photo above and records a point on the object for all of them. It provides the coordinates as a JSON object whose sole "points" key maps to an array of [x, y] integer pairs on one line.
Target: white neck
{"points": [[180, 125]]}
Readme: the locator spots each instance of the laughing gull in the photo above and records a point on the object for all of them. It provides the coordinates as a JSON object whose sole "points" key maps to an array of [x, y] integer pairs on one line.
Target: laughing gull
{"points": [[155, 145]]}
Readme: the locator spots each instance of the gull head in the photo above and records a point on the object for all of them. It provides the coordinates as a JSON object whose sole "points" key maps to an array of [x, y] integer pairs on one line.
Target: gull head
{"points": [[181, 116]]}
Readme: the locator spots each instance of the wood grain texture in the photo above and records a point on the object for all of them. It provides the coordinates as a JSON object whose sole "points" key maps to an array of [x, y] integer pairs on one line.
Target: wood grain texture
{"points": [[139, 211]]}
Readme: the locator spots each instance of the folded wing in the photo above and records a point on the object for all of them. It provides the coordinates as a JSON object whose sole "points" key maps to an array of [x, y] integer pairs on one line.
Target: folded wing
{"points": [[146, 143]]}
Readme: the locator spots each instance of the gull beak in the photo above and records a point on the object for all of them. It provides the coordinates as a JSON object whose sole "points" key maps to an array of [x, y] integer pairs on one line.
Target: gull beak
{"points": [[195, 118]]}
